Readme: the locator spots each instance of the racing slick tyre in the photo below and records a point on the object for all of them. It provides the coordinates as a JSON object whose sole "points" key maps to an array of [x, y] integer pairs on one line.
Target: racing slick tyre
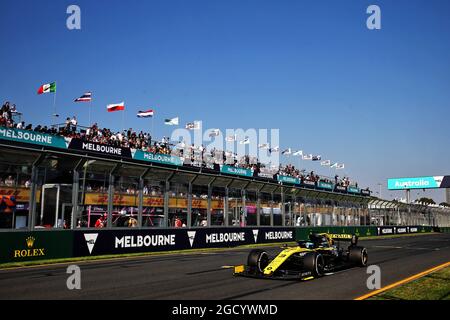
{"points": [[258, 260], [358, 256], [315, 263]]}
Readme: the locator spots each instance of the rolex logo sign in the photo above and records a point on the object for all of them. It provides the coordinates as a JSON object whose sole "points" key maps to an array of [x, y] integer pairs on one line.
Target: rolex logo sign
{"points": [[30, 242], [30, 250]]}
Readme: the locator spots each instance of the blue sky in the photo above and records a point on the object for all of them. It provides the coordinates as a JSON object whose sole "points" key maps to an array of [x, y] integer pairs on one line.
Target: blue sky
{"points": [[377, 101]]}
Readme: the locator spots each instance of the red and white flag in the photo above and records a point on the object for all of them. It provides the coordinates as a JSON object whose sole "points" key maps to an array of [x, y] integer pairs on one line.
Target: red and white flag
{"points": [[116, 107], [145, 114], [87, 97]]}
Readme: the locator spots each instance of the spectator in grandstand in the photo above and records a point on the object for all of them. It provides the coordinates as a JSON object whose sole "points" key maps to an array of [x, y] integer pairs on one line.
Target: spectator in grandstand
{"points": [[6, 116], [193, 155], [101, 222], [178, 223], [67, 125], [132, 222], [73, 123], [28, 183], [9, 182]]}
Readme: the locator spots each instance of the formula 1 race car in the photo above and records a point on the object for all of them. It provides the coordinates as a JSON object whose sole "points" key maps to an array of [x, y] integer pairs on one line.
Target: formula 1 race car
{"points": [[316, 257]]}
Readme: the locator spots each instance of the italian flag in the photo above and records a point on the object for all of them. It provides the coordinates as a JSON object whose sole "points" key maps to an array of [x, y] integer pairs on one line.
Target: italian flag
{"points": [[46, 88]]}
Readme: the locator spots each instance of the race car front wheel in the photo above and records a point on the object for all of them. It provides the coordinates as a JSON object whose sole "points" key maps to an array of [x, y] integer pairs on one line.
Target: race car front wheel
{"points": [[258, 259], [358, 256], [315, 263]]}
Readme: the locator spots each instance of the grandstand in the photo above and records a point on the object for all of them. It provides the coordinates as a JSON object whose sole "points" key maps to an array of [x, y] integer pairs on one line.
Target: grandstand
{"points": [[69, 177]]}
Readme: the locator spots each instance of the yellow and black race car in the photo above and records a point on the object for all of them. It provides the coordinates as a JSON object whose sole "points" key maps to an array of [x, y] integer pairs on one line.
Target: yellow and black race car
{"points": [[313, 258]]}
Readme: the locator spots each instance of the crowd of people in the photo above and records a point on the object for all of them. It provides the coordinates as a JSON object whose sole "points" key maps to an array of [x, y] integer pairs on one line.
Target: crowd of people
{"points": [[291, 171], [6, 114], [192, 155], [10, 181]]}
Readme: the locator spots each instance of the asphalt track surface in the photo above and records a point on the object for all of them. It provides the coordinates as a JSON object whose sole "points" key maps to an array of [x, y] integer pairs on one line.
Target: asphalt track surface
{"points": [[202, 276]]}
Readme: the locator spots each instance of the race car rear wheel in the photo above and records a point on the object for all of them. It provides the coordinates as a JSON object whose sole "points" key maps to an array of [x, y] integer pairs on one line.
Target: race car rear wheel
{"points": [[358, 256], [315, 263], [258, 259]]}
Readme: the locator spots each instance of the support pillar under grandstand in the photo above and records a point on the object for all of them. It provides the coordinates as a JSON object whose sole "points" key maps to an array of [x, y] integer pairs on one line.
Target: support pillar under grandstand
{"points": [[271, 209], [75, 191], [283, 208], [33, 191], [110, 201], [141, 197], [208, 205], [166, 200], [243, 213], [258, 208], [111, 194], [189, 205], [32, 203], [226, 206]]}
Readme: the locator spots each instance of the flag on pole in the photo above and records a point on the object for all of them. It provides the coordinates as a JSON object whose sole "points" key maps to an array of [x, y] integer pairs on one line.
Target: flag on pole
{"points": [[307, 157], [340, 166], [245, 141], [326, 163], [214, 133], [298, 153], [231, 138], [193, 125], [263, 146], [87, 97], [145, 114], [47, 88], [172, 122], [116, 107], [276, 149], [287, 152], [334, 165], [316, 158]]}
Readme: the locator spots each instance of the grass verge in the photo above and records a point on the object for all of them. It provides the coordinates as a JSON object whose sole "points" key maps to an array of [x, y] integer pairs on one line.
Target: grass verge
{"points": [[434, 286]]}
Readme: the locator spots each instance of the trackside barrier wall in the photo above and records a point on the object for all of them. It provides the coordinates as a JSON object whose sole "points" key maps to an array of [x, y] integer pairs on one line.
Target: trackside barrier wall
{"points": [[36, 245], [444, 230], [303, 233], [388, 230], [153, 240], [45, 245]]}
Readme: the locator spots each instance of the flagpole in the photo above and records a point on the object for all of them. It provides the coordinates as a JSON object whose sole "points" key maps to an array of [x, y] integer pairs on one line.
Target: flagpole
{"points": [[90, 107], [153, 132], [123, 120], [54, 107]]}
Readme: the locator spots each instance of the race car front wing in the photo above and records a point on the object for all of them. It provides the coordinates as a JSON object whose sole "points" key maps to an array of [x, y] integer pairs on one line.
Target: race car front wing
{"points": [[246, 271]]}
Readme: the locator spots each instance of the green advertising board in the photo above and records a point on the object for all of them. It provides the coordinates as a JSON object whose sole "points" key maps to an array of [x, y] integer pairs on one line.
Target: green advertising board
{"points": [[236, 171], [325, 185], [304, 232], [353, 190], [157, 158], [36, 245], [286, 179], [26, 136]]}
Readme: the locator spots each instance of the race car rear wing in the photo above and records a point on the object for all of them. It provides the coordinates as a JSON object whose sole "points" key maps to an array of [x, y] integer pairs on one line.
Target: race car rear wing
{"points": [[353, 238]]}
